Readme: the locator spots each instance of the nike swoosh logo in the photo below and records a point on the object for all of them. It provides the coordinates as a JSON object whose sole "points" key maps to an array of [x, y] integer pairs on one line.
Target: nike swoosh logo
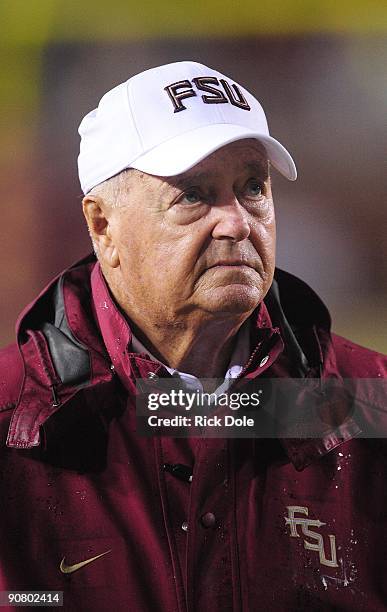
{"points": [[69, 569]]}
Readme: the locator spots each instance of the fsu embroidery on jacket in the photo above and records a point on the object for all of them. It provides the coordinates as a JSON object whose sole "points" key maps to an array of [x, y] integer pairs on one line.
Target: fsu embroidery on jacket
{"points": [[306, 523]]}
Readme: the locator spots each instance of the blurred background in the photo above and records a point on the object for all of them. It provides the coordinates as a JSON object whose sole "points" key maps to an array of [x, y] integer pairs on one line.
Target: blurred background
{"points": [[319, 69]]}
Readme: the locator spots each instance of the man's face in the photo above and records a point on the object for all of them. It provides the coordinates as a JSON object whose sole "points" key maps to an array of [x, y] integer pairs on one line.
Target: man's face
{"points": [[202, 242]]}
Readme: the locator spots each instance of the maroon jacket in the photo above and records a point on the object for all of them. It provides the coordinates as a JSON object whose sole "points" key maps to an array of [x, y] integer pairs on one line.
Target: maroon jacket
{"points": [[287, 525]]}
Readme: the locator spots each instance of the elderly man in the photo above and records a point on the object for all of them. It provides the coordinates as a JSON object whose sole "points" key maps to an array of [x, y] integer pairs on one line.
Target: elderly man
{"points": [[175, 167]]}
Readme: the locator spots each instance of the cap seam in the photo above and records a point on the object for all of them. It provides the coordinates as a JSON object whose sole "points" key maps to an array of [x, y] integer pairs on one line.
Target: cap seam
{"points": [[129, 101]]}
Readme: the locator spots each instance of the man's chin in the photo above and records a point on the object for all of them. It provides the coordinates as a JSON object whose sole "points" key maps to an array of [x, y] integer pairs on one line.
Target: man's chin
{"points": [[233, 298]]}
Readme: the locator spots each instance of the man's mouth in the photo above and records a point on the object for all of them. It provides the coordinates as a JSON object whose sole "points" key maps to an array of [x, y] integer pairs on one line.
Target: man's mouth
{"points": [[231, 263]]}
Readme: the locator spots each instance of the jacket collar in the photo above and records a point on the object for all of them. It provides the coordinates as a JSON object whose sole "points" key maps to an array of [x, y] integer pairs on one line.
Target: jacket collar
{"points": [[118, 337], [62, 352], [67, 363]]}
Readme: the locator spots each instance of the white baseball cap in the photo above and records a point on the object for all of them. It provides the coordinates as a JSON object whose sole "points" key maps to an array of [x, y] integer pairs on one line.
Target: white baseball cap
{"points": [[165, 120]]}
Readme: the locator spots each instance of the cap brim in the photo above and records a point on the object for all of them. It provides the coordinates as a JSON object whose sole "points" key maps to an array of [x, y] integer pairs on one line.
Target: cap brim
{"points": [[184, 151]]}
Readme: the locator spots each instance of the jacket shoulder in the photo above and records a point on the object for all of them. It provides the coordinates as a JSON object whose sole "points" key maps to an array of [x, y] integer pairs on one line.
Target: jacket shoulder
{"points": [[11, 376], [355, 361]]}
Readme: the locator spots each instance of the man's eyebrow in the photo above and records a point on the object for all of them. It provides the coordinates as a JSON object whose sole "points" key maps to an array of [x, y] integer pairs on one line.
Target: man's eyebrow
{"points": [[187, 180]]}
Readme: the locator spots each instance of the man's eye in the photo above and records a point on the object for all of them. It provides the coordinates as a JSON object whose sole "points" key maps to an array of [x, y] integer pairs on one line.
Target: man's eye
{"points": [[254, 188], [192, 196]]}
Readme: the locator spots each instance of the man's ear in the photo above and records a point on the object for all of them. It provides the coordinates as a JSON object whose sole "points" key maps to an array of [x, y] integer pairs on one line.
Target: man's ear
{"points": [[98, 216]]}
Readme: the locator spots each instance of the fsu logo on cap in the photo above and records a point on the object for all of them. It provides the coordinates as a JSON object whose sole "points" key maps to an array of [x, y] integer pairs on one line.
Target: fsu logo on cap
{"points": [[217, 91]]}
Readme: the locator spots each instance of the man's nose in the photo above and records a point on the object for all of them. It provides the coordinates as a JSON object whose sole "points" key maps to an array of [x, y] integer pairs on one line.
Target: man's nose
{"points": [[231, 222]]}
